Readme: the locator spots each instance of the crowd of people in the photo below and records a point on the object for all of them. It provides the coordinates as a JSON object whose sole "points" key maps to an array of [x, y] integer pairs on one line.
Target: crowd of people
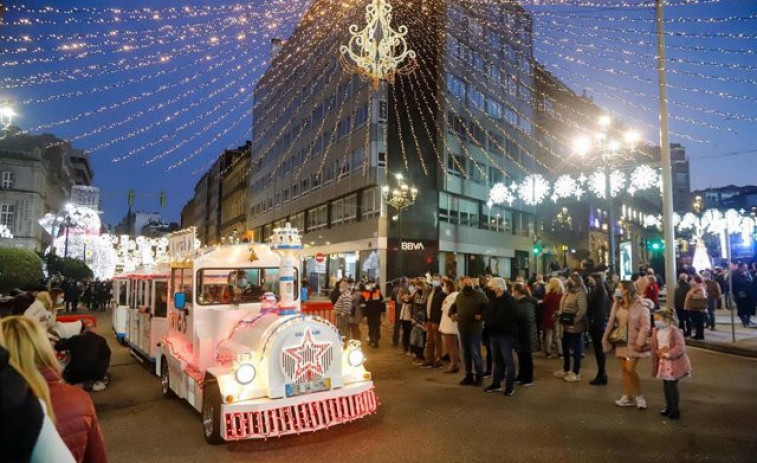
{"points": [[494, 327], [46, 368], [354, 301]]}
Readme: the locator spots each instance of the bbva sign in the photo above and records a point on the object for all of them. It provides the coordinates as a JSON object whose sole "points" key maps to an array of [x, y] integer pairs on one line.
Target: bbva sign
{"points": [[410, 246]]}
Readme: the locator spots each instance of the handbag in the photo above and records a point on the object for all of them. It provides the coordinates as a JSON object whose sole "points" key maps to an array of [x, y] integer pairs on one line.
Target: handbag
{"points": [[698, 303], [618, 335], [567, 318]]}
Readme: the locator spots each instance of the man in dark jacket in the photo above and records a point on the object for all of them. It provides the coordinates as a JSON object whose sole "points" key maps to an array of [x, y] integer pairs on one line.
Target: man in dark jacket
{"points": [[374, 309], [597, 311], [90, 359], [468, 310], [501, 320], [434, 318], [526, 339]]}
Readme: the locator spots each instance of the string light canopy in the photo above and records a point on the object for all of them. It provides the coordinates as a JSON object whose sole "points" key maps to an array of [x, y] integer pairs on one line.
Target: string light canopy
{"points": [[377, 51]]}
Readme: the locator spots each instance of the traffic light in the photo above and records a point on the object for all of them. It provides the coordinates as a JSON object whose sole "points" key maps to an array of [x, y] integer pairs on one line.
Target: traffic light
{"points": [[538, 247], [656, 245]]}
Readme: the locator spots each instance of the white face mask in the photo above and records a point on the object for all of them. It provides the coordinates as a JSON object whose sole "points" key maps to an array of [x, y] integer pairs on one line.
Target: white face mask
{"points": [[659, 324], [436, 283], [59, 300], [369, 287], [411, 288], [618, 293]]}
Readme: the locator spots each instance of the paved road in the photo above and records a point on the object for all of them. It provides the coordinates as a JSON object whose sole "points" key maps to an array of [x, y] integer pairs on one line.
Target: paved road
{"points": [[425, 416]]}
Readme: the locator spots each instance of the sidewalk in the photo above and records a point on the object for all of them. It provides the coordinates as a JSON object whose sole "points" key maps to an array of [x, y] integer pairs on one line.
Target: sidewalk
{"points": [[720, 340]]}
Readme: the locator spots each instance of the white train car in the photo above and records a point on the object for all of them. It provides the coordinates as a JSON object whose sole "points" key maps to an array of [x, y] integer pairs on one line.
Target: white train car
{"points": [[255, 369], [139, 318]]}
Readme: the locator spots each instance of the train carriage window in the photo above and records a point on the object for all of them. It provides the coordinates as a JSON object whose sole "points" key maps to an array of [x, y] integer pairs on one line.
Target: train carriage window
{"points": [[122, 288], [161, 299]]}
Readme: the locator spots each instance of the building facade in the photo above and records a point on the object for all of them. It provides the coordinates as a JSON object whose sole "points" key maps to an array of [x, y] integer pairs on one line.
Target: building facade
{"points": [[325, 142], [234, 187], [36, 177]]}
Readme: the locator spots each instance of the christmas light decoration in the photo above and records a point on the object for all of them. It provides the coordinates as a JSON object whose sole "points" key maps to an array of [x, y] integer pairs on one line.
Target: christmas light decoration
{"points": [[701, 260], [377, 51], [533, 189], [500, 194]]}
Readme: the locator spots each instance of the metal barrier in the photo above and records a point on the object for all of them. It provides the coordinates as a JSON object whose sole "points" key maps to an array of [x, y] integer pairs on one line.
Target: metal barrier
{"points": [[325, 310]]}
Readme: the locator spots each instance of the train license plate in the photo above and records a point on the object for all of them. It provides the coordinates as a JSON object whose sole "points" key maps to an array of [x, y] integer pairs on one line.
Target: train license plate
{"points": [[308, 387]]}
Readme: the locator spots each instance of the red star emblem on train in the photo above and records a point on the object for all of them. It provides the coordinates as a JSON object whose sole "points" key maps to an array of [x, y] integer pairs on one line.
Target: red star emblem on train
{"points": [[308, 361]]}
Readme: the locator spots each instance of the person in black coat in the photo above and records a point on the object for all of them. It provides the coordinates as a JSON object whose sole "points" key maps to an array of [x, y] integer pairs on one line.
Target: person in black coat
{"points": [[90, 357], [501, 320], [374, 309], [743, 292], [527, 340], [679, 297], [597, 311], [21, 413]]}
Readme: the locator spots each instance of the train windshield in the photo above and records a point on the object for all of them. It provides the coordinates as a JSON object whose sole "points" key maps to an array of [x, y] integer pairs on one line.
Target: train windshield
{"points": [[237, 285]]}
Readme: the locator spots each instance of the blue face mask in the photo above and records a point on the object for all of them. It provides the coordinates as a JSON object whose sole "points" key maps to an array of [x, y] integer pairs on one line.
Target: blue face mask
{"points": [[659, 324]]}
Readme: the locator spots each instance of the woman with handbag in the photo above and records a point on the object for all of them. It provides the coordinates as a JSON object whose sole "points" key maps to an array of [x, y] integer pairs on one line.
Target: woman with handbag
{"points": [[695, 306], [572, 317], [627, 334]]}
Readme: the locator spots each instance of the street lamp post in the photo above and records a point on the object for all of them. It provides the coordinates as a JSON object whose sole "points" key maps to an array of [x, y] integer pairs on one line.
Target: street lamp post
{"points": [[400, 198], [608, 151]]}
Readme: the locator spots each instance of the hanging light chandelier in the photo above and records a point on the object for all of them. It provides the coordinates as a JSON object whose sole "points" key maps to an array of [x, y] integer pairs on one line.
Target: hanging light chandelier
{"points": [[377, 51]]}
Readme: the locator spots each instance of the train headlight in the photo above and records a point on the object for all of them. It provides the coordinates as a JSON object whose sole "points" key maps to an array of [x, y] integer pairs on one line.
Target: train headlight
{"points": [[245, 373], [355, 357]]}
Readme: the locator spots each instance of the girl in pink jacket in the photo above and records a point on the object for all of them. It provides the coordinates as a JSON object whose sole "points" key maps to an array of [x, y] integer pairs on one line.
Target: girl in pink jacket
{"points": [[669, 360]]}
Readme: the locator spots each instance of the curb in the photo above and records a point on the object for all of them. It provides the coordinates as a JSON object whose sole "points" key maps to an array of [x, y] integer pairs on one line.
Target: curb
{"points": [[724, 348]]}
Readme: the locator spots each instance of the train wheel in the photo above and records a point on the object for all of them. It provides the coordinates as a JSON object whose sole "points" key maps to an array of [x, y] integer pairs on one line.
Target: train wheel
{"points": [[165, 383], [211, 413]]}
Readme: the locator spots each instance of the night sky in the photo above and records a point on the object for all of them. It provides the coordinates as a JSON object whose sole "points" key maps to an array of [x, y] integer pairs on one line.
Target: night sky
{"points": [[186, 100]]}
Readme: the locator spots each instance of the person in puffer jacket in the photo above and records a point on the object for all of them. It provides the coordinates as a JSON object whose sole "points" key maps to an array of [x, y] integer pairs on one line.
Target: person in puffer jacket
{"points": [[74, 412]]}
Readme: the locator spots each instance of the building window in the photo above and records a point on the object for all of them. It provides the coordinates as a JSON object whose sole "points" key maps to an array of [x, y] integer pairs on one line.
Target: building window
{"points": [[328, 174], [305, 185], [344, 210], [494, 108], [361, 116], [298, 221], [382, 159], [510, 117], [7, 215], [468, 213], [315, 182], [455, 164], [343, 128], [456, 87], [6, 180], [317, 218], [357, 159], [448, 208], [475, 98], [344, 167], [370, 203]]}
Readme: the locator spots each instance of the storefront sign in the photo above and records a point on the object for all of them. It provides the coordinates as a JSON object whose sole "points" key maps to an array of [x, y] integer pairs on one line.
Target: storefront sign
{"points": [[412, 246]]}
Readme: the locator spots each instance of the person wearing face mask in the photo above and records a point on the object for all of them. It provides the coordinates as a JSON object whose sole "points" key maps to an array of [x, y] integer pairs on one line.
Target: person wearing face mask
{"points": [[406, 316], [375, 308], [469, 308], [343, 309], [501, 318], [598, 309], [669, 360], [448, 327], [627, 334], [358, 309], [572, 317], [434, 316]]}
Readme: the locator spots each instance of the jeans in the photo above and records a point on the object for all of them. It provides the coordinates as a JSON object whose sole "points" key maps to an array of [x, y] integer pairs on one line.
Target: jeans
{"points": [[572, 343], [552, 339], [407, 327], [397, 324], [471, 342], [697, 319], [711, 306], [599, 354], [343, 325], [684, 323], [671, 395], [504, 366], [525, 367], [488, 349], [433, 343]]}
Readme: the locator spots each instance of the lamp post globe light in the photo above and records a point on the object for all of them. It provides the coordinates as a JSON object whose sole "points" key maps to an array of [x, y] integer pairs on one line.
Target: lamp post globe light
{"points": [[607, 182], [400, 197]]}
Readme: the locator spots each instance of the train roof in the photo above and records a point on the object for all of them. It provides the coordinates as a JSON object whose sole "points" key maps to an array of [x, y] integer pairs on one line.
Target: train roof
{"points": [[237, 255]]}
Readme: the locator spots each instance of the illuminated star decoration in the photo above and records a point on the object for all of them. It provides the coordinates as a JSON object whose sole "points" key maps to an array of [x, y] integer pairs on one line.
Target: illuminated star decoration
{"points": [[308, 361]]}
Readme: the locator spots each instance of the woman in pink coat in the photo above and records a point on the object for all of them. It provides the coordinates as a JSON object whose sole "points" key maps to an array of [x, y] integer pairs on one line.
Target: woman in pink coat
{"points": [[669, 360], [629, 325]]}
